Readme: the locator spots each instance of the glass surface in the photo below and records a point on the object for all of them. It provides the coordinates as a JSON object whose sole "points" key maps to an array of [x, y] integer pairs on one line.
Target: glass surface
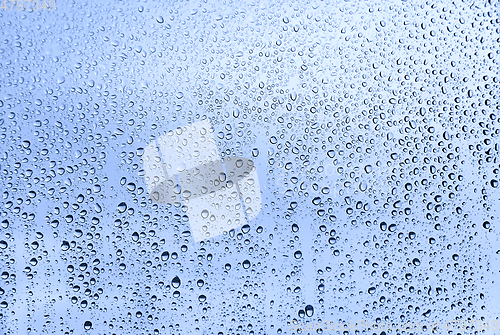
{"points": [[246, 167]]}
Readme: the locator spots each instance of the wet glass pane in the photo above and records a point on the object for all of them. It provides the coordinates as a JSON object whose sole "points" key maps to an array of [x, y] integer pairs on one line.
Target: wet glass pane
{"points": [[249, 167]]}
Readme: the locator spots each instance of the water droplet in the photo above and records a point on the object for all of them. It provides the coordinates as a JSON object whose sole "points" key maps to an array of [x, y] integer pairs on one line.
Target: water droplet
{"points": [[122, 207], [176, 282], [309, 310], [297, 254]]}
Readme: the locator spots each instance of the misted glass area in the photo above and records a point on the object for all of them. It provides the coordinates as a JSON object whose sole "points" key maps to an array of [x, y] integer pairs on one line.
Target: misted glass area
{"points": [[249, 167]]}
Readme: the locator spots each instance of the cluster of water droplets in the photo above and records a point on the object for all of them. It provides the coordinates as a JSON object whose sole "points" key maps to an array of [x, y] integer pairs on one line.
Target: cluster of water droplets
{"points": [[373, 126]]}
